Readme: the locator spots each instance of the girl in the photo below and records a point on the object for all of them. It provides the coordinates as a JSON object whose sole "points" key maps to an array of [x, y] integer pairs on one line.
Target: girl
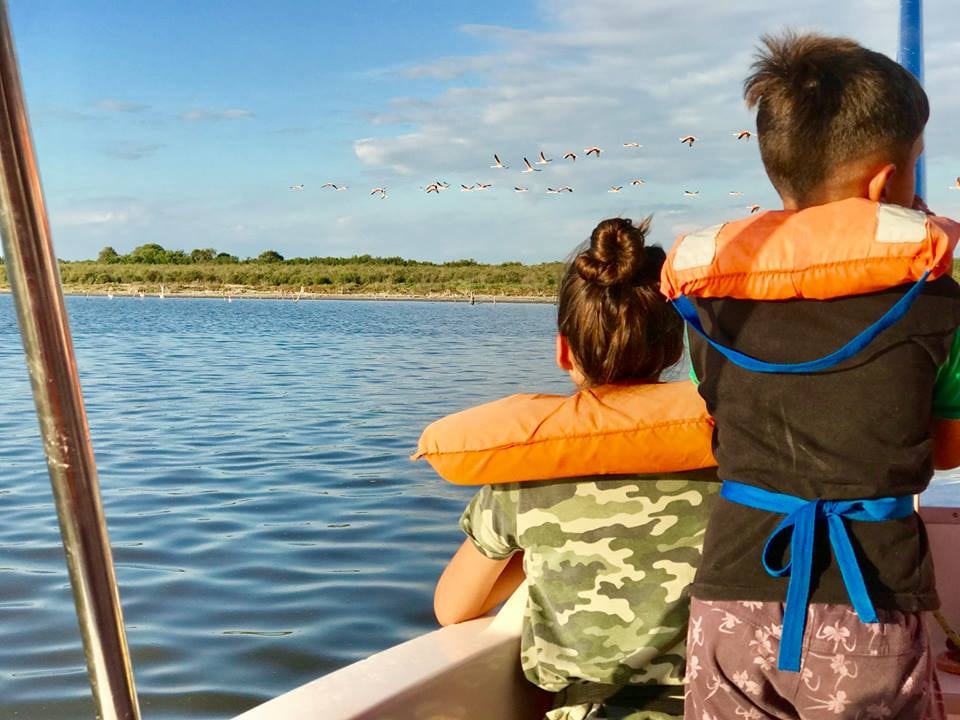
{"points": [[608, 559]]}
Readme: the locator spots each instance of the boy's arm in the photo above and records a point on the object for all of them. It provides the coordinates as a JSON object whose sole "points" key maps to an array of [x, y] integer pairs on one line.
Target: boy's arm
{"points": [[487, 567], [946, 444], [472, 584], [946, 411]]}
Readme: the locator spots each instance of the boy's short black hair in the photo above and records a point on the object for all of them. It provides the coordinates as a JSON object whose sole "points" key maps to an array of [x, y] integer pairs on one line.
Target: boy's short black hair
{"points": [[823, 101]]}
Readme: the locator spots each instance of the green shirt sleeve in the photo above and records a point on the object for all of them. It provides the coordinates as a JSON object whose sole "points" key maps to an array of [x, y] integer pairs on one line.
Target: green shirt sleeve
{"points": [[490, 521], [693, 375], [946, 392]]}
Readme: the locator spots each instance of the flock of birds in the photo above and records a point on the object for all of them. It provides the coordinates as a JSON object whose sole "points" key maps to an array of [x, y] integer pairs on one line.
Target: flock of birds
{"points": [[435, 188], [438, 187]]}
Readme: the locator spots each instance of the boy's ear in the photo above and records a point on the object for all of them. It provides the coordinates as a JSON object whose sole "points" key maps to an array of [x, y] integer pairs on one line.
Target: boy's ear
{"points": [[564, 357], [877, 190]]}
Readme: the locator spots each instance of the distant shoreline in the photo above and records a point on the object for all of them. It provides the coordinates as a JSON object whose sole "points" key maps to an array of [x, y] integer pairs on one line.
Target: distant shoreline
{"points": [[247, 294], [353, 278]]}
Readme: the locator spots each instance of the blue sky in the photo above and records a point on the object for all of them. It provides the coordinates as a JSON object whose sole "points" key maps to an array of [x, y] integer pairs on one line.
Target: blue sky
{"points": [[185, 123]]}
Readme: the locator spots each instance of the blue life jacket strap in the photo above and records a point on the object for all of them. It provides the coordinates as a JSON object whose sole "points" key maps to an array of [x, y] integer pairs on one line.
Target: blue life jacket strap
{"points": [[858, 343], [800, 524]]}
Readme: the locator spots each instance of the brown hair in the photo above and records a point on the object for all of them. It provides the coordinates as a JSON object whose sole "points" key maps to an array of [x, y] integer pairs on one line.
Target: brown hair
{"points": [[822, 101], [610, 308]]}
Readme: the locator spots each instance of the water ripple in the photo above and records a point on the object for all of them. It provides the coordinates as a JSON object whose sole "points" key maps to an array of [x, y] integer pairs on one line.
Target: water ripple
{"points": [[266, 522]]}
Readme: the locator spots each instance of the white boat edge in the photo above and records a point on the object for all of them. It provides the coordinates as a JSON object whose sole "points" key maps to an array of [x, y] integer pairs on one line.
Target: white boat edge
{"points": [[472, 671]]}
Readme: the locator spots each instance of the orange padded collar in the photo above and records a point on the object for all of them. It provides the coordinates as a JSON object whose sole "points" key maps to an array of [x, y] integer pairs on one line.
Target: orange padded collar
{"points": [[608, 430], [844, 248]]}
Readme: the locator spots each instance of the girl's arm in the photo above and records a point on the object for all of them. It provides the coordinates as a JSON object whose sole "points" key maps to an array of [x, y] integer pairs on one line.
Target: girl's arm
{"points": [[472, 584]]}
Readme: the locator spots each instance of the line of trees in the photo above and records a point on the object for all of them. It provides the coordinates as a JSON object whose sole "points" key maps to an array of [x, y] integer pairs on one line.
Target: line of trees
{"points": [[319, 277], [155, 254]]}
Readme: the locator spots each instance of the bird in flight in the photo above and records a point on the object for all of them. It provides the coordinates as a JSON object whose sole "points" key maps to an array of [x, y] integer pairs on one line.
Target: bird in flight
{"points": [[432, 188], [466, 188], [592, 151], [543, 159], [691, 193], [572, 157], [297, 188], [689, 140], [632, 145], [382, 192], [753, 208], [530, 168], [615, 188], [557, 191], [743, 135], [735, 193], [638, 181], [483, 186], [520, 188], [498, 165], [956, 185]]}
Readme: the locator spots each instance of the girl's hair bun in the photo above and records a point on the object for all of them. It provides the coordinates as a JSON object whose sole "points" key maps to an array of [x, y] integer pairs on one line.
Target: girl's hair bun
{"points": [[617, 255], [610, 310]]}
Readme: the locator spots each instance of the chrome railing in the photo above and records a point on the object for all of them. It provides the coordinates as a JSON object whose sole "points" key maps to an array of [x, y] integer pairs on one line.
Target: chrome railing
{"points": [[35, 281]]}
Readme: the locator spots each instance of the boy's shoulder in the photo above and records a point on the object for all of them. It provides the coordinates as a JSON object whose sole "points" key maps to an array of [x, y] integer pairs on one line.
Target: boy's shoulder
{"points": [[849, 247]]}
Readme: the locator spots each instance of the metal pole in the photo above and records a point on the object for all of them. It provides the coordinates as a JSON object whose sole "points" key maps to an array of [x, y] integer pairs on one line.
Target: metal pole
{"points": [[35, 280], [910, 55]]}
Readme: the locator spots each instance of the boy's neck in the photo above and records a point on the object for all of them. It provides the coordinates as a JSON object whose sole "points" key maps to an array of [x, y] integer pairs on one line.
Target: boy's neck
{"points": [[823, 196]]}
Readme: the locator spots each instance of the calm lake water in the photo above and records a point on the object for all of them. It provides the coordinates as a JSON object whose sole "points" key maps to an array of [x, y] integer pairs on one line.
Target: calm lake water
{"points": [[267, 524]]}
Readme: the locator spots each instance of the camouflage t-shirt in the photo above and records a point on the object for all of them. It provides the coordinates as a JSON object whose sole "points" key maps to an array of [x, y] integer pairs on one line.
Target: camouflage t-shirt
{"points": [[608, 563]]}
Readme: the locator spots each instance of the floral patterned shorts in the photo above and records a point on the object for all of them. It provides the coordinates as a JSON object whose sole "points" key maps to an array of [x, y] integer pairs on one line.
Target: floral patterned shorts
{"points": [[850, 670]]}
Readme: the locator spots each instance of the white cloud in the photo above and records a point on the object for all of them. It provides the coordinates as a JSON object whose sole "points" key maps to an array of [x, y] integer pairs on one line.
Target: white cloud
{"points": [[90, 218], [106, 213], [229, 114], [121, 106], [128, 150], [606, 72]]}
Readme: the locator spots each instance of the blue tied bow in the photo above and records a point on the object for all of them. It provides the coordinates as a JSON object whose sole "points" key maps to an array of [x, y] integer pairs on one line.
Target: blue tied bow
{"points": [[801, 524]]}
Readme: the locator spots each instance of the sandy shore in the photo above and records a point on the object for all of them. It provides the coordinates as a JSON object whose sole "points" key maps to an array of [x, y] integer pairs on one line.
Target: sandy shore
{"points": [[249, 294]]}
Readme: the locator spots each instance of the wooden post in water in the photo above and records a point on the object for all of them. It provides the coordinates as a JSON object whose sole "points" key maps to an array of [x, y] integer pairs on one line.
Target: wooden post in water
{"points": [[35, 280]]}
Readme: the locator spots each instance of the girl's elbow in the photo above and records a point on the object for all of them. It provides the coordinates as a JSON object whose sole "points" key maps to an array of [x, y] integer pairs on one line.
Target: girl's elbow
{"points": [[446, 614]]}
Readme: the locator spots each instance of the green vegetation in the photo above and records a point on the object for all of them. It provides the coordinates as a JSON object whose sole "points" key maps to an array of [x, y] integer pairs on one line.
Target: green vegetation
{"points": [[204, 269]]}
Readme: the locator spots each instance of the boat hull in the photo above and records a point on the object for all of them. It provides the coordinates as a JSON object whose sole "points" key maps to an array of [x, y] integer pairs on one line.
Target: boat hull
{"points": [[472, 671]]}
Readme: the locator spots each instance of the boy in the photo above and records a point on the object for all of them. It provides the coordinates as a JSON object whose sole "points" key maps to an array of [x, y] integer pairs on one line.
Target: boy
{"points": [[836, 122]]}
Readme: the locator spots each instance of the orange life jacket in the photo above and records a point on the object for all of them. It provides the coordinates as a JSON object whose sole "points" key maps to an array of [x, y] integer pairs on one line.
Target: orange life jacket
{"points": [[608, 430], [850, 247]]}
